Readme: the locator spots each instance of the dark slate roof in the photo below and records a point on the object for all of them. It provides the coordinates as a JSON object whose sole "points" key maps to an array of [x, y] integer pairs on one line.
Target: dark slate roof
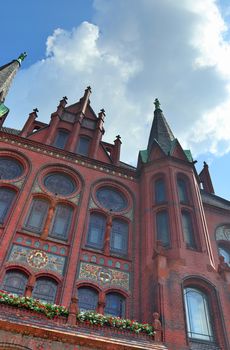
{"points": [[214, 200], [7, 73], [10, 131]]}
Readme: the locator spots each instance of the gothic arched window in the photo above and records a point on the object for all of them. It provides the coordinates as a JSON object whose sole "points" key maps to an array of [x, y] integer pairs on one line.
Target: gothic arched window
{"points": [[83, 146], [162, 223], [111, 199], [197, 314], [115, 305], [45, 289], [87, 299], [188, 229], [37, 215], [119, 236], [59, 183], [182, 190], [7, 196], [61, 139], [61, 221], [10, 168], [15, 282], [160, 191], [96, 230]]}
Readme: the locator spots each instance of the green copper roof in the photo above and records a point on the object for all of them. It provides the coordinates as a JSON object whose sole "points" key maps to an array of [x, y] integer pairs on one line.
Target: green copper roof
{"points": [[144, 155], [3, 110], [21, 57], [188, 155]]}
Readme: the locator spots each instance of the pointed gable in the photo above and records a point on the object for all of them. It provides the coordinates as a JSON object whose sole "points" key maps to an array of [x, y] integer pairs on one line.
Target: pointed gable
{"points": [[177, 151]]}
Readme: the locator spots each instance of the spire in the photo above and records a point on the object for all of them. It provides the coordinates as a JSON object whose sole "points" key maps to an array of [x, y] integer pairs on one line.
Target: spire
{"points": [[160, 130]]}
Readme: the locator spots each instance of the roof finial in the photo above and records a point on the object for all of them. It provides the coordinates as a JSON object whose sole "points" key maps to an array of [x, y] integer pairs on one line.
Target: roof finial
{"points": [[157, 103], [21, 57]]}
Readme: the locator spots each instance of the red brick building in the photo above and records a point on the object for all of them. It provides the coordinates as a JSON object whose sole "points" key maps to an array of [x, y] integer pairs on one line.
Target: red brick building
{"points": [[80, 228]]}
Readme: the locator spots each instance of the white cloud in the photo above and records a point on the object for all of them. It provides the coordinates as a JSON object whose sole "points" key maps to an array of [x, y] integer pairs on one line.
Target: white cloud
{"points": [[136, 51]]}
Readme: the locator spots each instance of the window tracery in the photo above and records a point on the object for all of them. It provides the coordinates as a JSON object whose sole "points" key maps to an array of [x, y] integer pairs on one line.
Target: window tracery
{"points": [[15, 282], [59, 183], [10, 168], [7, 196]]}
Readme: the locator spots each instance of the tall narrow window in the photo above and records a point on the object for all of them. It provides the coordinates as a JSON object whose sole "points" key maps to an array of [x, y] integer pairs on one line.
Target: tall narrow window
{"points": [[15, 282], [83, 146], [162, 222], [96, 231], [61, 222], [119, 236], [115, 305], [37, 216], [61, 139], [197, 315], [45, 289], [160, 191], [7, 196], [182, 190], [188, 229], [87, 299]]}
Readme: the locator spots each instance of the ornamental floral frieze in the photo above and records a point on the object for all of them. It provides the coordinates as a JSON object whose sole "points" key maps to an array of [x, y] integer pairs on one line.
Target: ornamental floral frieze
{"points": [[104, 276], [37, 259]]}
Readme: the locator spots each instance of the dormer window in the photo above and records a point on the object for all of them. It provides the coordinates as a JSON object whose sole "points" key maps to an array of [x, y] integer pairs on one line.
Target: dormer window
{"points": [[83, 146], [61, 139]]}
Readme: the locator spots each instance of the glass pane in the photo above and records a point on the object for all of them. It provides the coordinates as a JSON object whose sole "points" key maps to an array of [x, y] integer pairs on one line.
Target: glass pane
{"points": [[119, 236], [58, 183], [115, 305], [111, 199], [15, 282], [188, 230], [10, 168], [96, 230], [61, 221], [163, 228], [226, 254], [160, 193], [87, 299], [37, 216], [197, 315], [83, 146], [61, 139], [45, 289], [6, 199], [182, 190]]}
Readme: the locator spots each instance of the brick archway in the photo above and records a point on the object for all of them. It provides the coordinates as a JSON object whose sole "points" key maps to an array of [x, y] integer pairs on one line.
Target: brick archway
{"points": [[10, 346]]}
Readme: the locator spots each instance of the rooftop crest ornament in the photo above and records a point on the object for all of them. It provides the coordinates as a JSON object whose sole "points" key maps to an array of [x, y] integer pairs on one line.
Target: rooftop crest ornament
{"points": [[157, 103]]}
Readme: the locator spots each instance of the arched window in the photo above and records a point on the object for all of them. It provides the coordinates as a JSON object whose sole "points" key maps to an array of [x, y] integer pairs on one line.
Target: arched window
{"points": [[188, 229], [119, 236], [10, 168], [61, 221], [87, 298], [225, 252], [160, 191], [7, 196], [182, 190], [96, 230], [115, 305], [83, 146], [45, 289], [37, 215], [61, 139], [162, 222], [197, 315], [15, 282]]}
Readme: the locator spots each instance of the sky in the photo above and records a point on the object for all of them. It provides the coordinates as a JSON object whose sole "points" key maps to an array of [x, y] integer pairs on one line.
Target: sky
{"points": [[129, 52]]}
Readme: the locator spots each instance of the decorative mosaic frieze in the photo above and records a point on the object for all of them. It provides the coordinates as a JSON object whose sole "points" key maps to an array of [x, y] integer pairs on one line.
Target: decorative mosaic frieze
{"points": [[37, 259], [104, 276], [223, 233]]}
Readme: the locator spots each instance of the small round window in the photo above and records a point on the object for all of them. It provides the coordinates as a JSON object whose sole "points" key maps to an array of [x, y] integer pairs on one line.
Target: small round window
{"points": [[10, 168], [61, 184], [111, 199]]}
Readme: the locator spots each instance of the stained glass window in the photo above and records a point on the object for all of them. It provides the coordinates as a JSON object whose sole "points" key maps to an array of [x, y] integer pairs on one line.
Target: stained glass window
{"points": [[37, 216], [115, 305], [160, 191], [45, 289], [225, 252], [10, 168], [182, 190], [188, 229], [83, 146], [7, 196], [162, 222], [61, 222], [61, 184], [96, 231], [119, 236], [111, 199], [197, 315], [87, 299], [15, 282], [61, 139]]}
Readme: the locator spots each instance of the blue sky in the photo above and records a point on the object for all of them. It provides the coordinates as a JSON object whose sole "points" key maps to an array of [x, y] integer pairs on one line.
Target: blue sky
{"points": [[129, 52]]}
